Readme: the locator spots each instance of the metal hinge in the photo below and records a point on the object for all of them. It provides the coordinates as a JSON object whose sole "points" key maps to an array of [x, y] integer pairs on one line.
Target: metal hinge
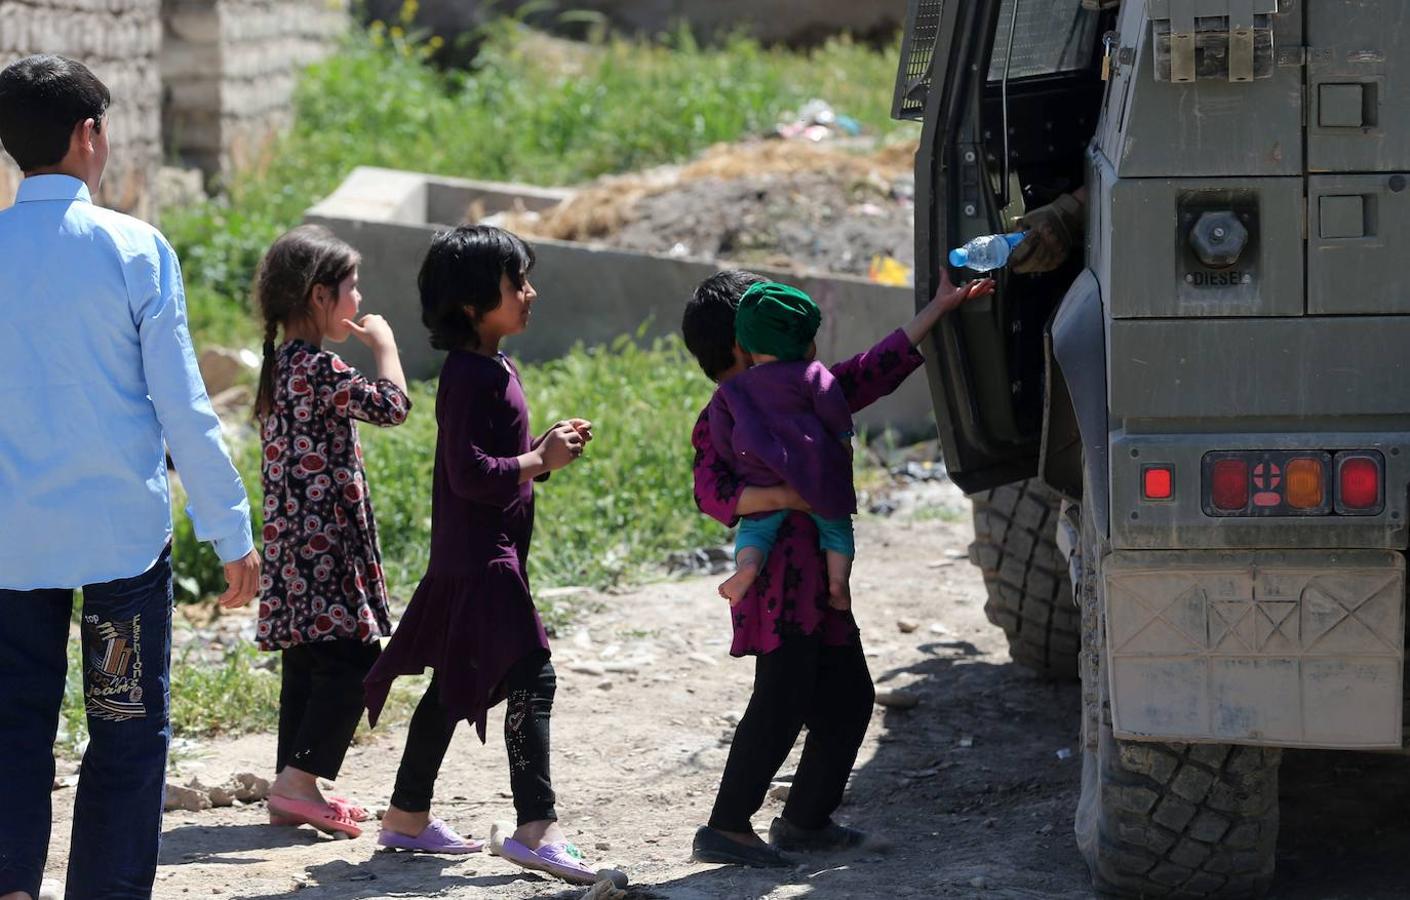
{"points": [[1208, 39]]}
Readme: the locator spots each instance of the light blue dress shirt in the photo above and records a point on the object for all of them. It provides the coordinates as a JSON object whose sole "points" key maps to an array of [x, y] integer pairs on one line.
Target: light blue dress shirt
{"points": [[96, 369]]}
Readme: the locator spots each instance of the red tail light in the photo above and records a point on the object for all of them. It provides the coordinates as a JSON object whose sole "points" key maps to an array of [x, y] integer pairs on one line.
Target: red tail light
{"points": [[1229, 484], [1358, 483], [1158, 482]]}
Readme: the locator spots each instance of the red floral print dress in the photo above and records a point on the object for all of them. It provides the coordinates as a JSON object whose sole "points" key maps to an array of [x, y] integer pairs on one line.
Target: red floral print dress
{"points": [[322, 577]]}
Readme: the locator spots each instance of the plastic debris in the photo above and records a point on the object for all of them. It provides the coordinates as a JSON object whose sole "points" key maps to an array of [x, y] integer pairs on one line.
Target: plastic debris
{"points": [[817, 121], [889, 271]]}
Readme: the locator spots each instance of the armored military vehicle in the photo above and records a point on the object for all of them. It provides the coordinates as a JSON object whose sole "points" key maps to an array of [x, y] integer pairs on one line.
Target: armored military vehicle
{"points": [[1189, 443]]}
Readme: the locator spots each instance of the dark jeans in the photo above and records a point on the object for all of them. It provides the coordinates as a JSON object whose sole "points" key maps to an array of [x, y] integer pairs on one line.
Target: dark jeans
{"points": [[532, 684], [117, 819], [320, 704], [801, 683]]}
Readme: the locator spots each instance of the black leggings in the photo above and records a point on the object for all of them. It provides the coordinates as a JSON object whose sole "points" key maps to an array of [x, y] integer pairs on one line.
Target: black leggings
{"points": [[532, 684], [801, 683], [320, 704]]}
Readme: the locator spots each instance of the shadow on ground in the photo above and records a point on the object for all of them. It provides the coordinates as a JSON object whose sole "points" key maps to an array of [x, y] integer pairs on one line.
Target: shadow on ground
{"points": [[968, 786], [1345, 832]]}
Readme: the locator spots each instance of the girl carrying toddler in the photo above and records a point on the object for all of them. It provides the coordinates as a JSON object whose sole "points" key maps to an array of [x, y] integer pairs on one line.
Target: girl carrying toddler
{"points": [[810, 669]]}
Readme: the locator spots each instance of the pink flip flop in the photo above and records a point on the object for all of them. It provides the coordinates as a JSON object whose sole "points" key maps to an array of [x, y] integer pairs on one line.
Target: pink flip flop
{"points": [[348, 808], [561, 860], [437, 837], [325, 817]]}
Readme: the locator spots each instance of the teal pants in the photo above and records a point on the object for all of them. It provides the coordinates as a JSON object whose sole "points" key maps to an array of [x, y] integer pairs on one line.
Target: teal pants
{"points": [[834, 535]]}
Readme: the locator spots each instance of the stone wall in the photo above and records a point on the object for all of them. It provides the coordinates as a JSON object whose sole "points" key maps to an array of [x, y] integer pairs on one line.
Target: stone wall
{"points": [[230, 68], [120, 41]]}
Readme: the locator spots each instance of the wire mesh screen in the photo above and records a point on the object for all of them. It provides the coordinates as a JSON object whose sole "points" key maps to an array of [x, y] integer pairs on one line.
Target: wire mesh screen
{"points": [[1050, 36], [917, 58]]}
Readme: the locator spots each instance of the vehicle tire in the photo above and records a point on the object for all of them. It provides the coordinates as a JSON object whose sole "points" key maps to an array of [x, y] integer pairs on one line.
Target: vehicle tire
{"points": [[1030, 596], [1167, 819]]}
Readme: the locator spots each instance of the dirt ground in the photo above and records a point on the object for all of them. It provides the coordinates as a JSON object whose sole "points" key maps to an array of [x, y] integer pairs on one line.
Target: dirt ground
{"points": [[968, 785]]}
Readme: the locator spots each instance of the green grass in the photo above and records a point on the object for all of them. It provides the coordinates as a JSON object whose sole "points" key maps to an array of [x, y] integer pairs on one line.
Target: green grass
{"points": [[610, 518], [238, 695], [521, 114], [537, 112], [234, 696]]}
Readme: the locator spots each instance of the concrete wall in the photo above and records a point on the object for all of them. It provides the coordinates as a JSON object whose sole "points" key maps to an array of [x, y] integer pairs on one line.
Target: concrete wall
{"points": [[587, 293], [230, 68], [226, 68], [119, 40]]}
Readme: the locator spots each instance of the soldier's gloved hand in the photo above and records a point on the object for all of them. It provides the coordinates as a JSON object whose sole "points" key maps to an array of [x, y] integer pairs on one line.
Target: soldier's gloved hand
{"points": [[1053, 231], [1100, 4]]}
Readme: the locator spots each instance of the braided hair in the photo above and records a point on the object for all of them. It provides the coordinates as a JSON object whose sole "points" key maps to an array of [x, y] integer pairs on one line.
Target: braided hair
{"points": [[295, 264]]}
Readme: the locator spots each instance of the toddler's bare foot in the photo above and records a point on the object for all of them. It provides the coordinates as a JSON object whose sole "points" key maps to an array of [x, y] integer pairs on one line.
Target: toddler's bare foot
{"points": [[737, 585], [839, 595]]}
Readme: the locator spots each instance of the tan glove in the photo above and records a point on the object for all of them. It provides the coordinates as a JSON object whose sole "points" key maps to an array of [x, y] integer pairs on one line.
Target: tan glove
{"points": [[1053, 231]]}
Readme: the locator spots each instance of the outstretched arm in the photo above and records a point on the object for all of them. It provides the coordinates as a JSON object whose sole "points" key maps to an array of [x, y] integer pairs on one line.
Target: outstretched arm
{"points": [[947, 297]]}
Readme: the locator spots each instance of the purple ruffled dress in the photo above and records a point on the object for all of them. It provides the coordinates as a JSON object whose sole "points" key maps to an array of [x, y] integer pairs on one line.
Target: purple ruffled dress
{"points": [[471, 617]]}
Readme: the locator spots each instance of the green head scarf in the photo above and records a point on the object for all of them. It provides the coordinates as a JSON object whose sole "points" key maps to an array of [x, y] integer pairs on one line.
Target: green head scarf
{"points": [[776, 319]]}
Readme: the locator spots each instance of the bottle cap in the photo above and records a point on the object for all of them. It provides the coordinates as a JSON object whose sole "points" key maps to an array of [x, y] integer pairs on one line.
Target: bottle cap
{"points": [[959, 257]]}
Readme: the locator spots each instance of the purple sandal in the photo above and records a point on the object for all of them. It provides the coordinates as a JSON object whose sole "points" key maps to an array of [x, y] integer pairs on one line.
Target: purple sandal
{"points": [[437, 837], [561, 860]]}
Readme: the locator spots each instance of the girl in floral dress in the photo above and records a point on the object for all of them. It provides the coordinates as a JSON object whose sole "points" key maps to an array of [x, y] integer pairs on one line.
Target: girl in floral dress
{"points": [[323, 600]]}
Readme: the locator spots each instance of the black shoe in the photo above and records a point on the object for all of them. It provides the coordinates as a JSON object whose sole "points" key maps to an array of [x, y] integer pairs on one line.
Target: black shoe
{"points": [[830, 839], [713, 847]]}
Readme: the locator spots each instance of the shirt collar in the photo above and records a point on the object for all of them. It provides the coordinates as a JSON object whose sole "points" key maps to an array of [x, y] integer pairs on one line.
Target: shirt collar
{"points": [[52, 187]]}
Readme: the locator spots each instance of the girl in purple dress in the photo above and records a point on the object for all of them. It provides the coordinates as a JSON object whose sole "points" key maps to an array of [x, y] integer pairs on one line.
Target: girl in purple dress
{"points": [[472, 619], [323, 602]]}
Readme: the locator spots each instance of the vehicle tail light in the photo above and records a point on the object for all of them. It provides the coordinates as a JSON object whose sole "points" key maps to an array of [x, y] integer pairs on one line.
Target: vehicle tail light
{"points": [[1359, 483], [1158, 482], [1230, 484], [1306, 487]]}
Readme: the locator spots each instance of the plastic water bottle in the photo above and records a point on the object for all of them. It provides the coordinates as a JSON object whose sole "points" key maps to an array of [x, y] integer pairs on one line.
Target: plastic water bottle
{"points": [[986, 253]]}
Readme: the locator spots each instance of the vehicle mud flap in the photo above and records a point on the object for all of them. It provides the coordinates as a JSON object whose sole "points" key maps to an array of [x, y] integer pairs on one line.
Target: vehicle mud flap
{"points": [[1026, 576]]}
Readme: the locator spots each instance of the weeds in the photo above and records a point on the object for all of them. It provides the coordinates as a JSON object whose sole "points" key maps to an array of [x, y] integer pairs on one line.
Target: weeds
{"points": [[525, 112], [610, 518]]}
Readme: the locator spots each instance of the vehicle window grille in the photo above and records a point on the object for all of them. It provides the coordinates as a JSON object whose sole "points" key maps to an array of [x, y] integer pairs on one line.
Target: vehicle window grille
{"points": [[917, 58]]}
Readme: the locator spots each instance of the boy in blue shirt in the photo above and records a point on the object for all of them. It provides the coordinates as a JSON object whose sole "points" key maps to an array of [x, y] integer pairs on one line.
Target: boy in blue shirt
{"points": [[97, 374]]}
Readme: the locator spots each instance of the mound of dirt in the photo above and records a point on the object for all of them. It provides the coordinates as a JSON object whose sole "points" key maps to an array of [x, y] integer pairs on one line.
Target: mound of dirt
{"points": [[784, 204]]}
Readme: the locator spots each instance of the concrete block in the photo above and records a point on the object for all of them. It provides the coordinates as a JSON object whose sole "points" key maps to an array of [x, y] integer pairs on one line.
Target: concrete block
{"points": [[589, 294]]}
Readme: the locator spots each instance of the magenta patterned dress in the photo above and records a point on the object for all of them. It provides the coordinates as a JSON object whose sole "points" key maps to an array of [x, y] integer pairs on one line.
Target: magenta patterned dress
{"points": [[790, 595], [322, 577]]}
